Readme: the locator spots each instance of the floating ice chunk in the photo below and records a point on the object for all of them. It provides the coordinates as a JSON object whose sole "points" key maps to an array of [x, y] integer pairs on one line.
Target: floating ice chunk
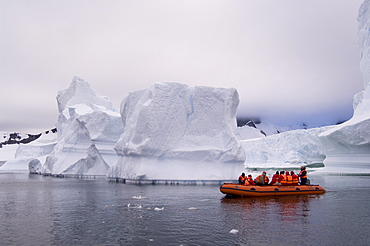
{"points": [[138, 197], [233, 231], [205, 200], [134, 206]]}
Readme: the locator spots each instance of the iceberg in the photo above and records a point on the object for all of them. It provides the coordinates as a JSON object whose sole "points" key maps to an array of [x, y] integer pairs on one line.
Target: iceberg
{"points": [[176, 132], [341, 148], [290, 149], [348, 144], [88, 127], [364, 40]]}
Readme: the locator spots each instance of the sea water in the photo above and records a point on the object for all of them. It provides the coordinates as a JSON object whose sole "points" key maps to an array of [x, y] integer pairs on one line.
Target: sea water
{"points": [[40, 210]]}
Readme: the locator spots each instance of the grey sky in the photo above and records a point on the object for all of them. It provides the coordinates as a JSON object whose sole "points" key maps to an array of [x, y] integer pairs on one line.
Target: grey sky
{"points": [[290, 60]]}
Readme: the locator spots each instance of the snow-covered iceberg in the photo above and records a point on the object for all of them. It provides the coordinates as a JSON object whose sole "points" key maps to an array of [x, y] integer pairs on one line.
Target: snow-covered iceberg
{"points": [[348, 144], [88, 127], [289, 149], [364, 40], [176, 132], [341, 147]]}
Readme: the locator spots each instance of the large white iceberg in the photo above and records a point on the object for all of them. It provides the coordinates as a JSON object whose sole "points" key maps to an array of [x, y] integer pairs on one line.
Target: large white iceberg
{"points": [[364, 40], [88, 127], [176, 132], [348, 144]]}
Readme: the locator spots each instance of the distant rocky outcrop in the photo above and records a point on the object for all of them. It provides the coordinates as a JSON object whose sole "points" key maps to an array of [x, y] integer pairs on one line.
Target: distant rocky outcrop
{"points": [[22, 138], [18, 149]]}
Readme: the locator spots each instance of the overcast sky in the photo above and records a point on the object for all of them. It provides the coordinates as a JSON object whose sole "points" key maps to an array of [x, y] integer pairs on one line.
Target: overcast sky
{"points": [[290, 60]]}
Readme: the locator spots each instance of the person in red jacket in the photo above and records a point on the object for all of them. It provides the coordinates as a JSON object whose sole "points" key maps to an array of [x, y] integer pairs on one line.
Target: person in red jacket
{"points": [[250, 180], [274, 178], [295, 178]]}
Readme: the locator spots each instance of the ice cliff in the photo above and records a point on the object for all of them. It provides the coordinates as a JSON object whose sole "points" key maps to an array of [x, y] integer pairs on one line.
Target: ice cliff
{"points": [[176, 132], [88, 126], [364, 40], [349, 143]]}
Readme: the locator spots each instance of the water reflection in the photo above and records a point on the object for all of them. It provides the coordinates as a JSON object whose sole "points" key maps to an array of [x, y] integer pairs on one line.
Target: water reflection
{"points": [[263, 219], [285, 207]]}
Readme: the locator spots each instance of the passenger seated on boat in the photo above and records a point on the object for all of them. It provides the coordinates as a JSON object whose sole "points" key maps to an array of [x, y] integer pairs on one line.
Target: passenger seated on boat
{"points": [[289, 180], [281, 180], [295, 178], [250, 180], [274, 178], [262, 179], [242, 179]]}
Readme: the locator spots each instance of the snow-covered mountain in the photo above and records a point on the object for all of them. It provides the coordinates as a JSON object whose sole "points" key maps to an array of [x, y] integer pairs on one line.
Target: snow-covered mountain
{"points": [[18, 149], [252, 129]]}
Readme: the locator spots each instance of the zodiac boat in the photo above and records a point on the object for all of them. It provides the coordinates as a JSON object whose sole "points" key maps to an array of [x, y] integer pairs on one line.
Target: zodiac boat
{"points": [[269, 190]]}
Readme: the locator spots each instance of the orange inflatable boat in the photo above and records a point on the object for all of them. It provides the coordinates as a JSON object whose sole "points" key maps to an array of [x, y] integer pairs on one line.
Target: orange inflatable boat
{"points": [[273, 190]]}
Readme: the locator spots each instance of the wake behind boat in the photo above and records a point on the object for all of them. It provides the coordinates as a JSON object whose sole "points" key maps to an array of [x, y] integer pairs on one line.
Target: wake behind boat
{"points": [[270, 190]]}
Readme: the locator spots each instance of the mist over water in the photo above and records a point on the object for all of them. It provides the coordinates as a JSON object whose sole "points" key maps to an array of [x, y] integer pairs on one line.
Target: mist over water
{"points": [[39, 210]]}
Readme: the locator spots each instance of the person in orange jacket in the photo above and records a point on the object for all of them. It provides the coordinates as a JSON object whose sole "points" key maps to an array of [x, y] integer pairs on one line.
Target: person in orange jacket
{"points": [[262, 179], [289, 180], [282, 179], [274, 178], [295, 178], [242, 179], [303, 175]]}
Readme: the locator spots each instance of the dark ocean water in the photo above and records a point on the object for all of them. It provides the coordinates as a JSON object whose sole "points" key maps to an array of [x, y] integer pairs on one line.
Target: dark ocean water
{"points": [[38, 210]]}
